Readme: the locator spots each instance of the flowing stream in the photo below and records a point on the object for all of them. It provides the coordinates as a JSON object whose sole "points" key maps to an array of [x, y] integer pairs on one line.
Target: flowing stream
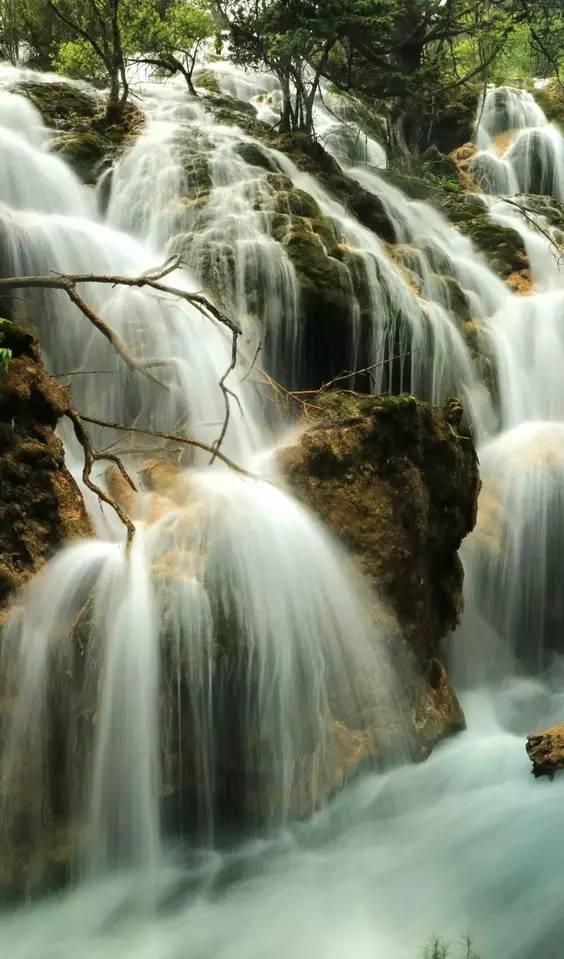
{"points": [[465, 843]]}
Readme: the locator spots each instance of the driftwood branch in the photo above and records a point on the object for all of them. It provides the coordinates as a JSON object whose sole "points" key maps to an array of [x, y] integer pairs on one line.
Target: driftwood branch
{"points": [[91, 456], [153, 280], [172, 437], [226, 394]]}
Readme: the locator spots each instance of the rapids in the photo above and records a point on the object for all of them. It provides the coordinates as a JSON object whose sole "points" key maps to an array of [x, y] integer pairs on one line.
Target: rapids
{"points": [[466, 842]]}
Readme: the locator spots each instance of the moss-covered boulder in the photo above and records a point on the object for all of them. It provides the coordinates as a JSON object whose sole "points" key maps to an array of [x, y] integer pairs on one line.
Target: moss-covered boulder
{"points": [[502, 246], [82, 134], [63, 106], [551, 101], [397, 481], [207, 80], [40, 505]]}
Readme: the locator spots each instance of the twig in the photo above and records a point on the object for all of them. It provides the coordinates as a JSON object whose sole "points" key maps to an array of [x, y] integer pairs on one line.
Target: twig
{"points": [[173, 437], [92, 456], [226, 394], [347, 374], [253, 362], [151, 279], [525, 212], [68, 285]]}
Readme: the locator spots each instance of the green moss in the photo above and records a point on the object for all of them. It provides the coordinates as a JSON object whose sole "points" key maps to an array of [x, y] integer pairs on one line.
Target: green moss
{"points": [[252, 153], [502, 245], [84, 152], [229, 109], [61, 105], [551, 100], [415, 187], [207, 80], [83, 135]]}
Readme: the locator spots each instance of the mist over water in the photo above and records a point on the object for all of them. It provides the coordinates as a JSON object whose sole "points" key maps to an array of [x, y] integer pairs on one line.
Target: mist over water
{"points": [[466, 842]]}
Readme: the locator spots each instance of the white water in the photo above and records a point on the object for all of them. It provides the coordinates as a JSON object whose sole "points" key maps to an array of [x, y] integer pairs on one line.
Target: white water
{"points": [[520, 151], [466, 842]]}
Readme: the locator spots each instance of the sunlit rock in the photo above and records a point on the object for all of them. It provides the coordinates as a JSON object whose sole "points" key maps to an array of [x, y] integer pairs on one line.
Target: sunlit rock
{"points": [[397, 481], [546, 751]]}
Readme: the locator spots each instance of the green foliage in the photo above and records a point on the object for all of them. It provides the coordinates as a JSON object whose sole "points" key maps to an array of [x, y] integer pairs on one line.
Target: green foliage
{"points": [[77, 59], [6, 355]]}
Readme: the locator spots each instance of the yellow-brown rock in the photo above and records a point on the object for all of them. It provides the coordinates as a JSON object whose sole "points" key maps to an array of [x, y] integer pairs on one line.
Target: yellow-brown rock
{"points": [[546, 751], [41, 506]]}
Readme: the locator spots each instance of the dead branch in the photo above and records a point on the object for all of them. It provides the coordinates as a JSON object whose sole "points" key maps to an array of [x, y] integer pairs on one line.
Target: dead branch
{"points": [[226, 394], [91, 456], [526, 212], [68, 285], [173, 437], [347, 374], [253, 362], [151, 279]]}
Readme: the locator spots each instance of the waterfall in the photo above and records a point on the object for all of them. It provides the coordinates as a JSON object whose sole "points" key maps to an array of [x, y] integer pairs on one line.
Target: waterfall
{"points": [[214, 596], [465, 842], [520, 151]]}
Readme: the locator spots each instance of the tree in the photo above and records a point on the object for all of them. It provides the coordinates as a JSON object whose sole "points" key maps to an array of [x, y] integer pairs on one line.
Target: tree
{"points": [[397, 51], [293, 39], [98, 36], [10, 37], [176, 37]]}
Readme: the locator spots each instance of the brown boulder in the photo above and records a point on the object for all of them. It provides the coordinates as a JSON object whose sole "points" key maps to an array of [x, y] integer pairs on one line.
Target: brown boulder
{"points": [[40, 504], [397, 481], [546, 751]]}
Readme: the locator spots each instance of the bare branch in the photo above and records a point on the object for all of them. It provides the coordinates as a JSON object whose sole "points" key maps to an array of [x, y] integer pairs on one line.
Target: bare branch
{"points": [[92, 456], [253, 362], [526, 212], [68, 285], [226, 394], [173, 437]]}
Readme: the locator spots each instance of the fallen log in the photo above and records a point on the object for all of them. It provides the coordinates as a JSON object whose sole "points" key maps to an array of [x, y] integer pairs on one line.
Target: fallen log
{"points": [[546, 751]]}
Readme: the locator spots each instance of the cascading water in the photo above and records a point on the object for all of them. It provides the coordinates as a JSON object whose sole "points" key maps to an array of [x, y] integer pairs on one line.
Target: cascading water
{"points": [[520, 151], [187, 599], [466, 842]]}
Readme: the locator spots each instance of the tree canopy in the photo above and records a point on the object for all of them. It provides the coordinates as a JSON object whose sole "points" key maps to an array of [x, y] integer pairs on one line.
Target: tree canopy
{"points": [[406, 54]]}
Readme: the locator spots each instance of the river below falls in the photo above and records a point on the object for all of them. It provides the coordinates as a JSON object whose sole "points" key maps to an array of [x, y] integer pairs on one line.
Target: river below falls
{"points": [[463, 844]]}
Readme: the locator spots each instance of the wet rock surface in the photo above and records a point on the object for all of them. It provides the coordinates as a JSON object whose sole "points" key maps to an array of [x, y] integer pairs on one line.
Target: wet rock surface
{"points": [[397, 482], [82, 134], [41, 506], [546, 751]]}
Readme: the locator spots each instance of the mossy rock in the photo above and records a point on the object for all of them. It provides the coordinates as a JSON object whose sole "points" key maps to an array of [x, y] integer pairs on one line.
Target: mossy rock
{"points": [[228, 109], [252, 153], [84, 152], [61, 105], [298, 203], [455, 297], [501, 245], [551, 101], [84, 137], [207, 80]]}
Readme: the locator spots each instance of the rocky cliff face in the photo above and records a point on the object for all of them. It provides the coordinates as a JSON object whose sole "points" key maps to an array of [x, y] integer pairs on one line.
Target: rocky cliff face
{"points": [[397, 482], [40, 504]]}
